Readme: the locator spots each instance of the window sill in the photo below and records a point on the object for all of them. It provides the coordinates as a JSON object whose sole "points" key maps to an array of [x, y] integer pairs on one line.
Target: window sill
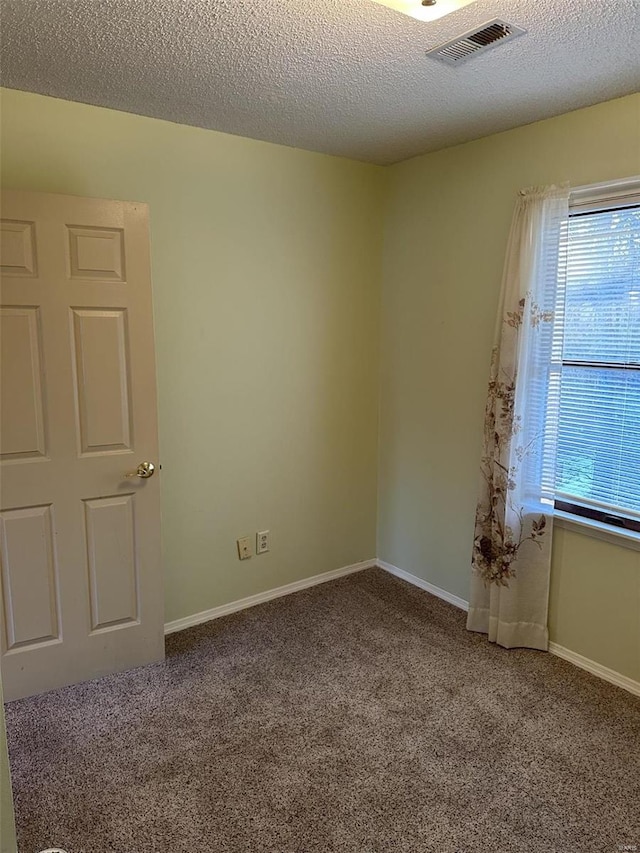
{"points": [[589, 527]]}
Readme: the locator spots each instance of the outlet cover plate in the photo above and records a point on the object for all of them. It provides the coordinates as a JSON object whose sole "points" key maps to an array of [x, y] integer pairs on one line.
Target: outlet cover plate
{"points": [[244, 548], [262, 542]]}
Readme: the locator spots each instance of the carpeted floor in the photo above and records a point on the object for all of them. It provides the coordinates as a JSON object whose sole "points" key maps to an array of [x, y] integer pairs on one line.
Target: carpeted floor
{"points": [[357, 716]]}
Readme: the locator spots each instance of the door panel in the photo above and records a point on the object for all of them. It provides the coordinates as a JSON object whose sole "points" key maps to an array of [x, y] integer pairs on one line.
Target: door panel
{"points": [[79, 539], [96, 253], [101, 367], [112, 564], [18, 248], [29, 576], [22, 413]]}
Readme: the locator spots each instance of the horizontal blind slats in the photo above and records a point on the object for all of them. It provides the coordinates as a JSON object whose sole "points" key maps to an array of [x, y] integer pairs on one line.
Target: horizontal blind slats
{"points": [[598, 454]]}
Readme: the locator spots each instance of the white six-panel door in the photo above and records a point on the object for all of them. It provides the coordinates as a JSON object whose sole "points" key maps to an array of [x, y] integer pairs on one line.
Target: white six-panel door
{"points": [[80, 580]]}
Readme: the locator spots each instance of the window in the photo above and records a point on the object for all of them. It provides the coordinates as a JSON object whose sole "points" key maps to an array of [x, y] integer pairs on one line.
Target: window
{"points": [[598, 458]]}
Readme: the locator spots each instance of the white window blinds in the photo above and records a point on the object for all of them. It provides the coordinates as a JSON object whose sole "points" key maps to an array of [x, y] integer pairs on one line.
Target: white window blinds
{"points": [[598, 458]]}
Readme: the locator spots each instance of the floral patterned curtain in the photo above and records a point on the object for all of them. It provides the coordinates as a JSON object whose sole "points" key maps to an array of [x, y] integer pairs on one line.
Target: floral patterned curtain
{"points": [[514, 518]]}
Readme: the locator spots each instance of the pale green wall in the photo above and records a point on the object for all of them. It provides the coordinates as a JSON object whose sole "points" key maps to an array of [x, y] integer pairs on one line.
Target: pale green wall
{"points": [[447, 220], [266, 264], [7, 826], [595, 601]]}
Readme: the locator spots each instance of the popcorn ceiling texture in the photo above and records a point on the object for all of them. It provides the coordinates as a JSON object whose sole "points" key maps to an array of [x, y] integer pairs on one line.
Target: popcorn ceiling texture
{"points": [[346, 77]]}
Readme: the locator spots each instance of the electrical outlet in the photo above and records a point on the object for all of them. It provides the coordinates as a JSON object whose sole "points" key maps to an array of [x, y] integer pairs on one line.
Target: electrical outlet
{"points": [[262, 542], [244, 548]]}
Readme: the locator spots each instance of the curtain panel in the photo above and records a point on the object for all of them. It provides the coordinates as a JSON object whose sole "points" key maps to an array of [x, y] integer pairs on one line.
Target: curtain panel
{"points": [[514, 518]]}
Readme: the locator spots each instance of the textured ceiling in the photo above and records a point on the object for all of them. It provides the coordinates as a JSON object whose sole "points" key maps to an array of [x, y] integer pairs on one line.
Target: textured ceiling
{"points": [[347, 77]]}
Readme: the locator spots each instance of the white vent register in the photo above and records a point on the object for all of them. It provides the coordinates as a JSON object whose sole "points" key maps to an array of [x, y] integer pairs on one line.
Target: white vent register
{"points": [[489, 35]]}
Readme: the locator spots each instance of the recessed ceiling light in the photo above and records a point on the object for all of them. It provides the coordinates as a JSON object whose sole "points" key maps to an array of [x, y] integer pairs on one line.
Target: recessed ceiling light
{"points": [[425, 10]]}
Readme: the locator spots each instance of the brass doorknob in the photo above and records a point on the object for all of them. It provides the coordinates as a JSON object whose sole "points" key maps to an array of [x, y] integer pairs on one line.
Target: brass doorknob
{"points": [[144, 470]]}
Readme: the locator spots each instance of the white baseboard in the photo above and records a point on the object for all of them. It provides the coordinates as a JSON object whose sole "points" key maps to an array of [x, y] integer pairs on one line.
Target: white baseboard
{"points": [[597, 669], [260, 597], [591, 666], [425, 585]]}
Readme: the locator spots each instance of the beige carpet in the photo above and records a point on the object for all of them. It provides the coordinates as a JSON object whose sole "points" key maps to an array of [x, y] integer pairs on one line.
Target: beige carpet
{"points": [[358, 716]]}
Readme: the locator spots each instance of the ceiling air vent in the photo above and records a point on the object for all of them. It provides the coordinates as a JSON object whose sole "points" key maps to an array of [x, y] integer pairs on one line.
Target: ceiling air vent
{"points": [[476, 41]]}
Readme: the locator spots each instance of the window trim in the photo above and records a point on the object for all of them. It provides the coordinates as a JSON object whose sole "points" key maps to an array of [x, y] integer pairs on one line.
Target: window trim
{"points": [[595, 197], [610, 519], [612, 195]]}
